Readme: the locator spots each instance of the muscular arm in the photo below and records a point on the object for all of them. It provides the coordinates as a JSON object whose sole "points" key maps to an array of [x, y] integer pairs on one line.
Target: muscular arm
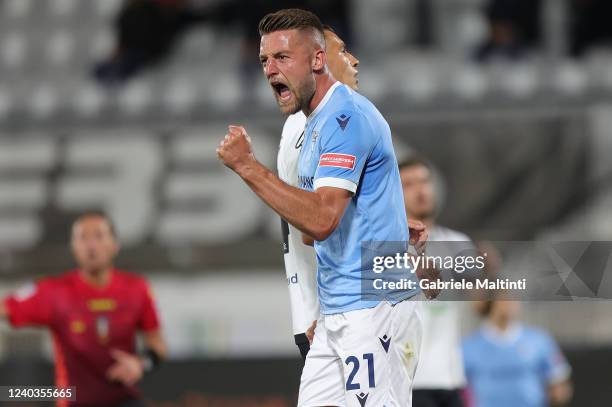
{"points": [[314, 213]]}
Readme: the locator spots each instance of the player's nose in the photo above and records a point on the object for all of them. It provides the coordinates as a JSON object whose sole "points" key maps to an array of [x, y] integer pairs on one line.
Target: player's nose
{"points": [[270, 69], [354, 60]]}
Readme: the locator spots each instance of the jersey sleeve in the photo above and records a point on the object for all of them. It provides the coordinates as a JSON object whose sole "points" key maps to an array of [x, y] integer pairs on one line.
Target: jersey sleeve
{"points": [[347, 141], [149, 318], [30, 305], [555, 368]]}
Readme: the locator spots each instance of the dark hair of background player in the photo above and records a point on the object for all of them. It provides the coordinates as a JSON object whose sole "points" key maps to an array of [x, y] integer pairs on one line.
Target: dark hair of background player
{"points": [[94, 213], [414, 161]]}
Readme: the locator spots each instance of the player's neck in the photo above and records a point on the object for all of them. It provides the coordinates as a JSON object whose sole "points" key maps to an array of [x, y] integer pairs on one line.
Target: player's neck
{"points": [[325, 82], [98, 277], [501, 324]]}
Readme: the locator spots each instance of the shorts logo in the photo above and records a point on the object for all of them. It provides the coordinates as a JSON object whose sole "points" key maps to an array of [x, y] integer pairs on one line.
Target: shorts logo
{"points": [[343, 120], [362, 398], [337, 160], [385, 341]]}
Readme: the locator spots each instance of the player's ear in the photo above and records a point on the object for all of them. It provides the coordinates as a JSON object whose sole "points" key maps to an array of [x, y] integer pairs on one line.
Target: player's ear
{"points": [[319, 61]]}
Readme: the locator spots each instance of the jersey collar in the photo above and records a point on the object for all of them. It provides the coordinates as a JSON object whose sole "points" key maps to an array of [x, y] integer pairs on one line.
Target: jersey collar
{"points": [[323, 102], [89, 286]]}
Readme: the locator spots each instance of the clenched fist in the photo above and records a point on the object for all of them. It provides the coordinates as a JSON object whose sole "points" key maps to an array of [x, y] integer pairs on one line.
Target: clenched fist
{"points": [[235, 149]]}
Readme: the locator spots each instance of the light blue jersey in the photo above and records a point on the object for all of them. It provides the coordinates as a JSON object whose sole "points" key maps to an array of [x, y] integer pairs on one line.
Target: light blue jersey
{"points": [[347, 144], [512, 370]]}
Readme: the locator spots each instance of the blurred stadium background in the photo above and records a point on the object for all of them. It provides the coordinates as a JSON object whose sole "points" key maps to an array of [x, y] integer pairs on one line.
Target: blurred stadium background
{"points": [[511, 100]]}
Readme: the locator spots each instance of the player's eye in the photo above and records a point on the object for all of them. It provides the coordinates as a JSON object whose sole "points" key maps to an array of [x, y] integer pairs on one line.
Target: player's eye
{"points": [[282, 57]]}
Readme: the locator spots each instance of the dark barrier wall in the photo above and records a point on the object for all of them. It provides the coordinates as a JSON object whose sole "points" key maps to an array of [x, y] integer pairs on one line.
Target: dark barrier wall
{"points": [[274, 383]]}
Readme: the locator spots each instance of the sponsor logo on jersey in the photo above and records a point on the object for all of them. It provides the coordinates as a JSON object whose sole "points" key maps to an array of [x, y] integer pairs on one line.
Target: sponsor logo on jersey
{"points": [[385, 341], [343, 121], [285, 231], [292, 279], [101, 305], [362, 398], [337, 160], [305, 182]]}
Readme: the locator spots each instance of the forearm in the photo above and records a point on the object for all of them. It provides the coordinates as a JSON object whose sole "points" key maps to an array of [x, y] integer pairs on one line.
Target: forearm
{"points": [[3, 310], [155, 342], [560, 393], [307, 211]]}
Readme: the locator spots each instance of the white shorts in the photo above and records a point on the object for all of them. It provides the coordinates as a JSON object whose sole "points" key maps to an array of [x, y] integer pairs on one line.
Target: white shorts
{"points": [[363, 358]]}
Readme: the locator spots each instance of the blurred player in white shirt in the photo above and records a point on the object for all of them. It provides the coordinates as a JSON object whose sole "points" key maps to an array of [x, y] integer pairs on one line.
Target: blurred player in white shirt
{"points": [[300, 259], [439, 377]]}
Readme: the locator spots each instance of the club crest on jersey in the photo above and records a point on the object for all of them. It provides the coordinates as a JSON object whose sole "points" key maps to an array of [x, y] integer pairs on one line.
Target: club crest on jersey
{"points": [[337, 160], [362, 398], [343, 120]]}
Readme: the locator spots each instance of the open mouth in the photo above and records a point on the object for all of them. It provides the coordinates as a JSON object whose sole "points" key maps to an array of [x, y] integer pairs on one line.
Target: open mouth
{"points": [[282, 90]]}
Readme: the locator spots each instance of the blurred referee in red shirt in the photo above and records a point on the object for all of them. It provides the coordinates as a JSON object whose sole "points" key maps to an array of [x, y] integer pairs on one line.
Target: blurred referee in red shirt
{"points": [[93, 314]]}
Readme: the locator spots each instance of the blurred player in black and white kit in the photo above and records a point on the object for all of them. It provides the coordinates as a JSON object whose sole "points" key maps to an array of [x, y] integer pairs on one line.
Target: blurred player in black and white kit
{"points": [[439, 378], [300, 258]]}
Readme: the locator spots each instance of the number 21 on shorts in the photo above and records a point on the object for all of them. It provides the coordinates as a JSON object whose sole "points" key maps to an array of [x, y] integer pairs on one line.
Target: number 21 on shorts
{"points": [[355, 362]]}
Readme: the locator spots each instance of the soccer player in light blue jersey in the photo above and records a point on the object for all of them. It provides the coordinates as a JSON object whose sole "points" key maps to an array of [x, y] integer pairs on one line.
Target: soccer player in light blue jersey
{"points": [[508, 364], [365, 350]]}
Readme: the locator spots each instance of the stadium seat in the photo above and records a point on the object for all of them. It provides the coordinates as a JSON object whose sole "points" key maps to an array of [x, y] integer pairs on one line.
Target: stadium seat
{"points": [[88, 99], [62, 8], [570, 79], [43, 100], [17, 9], [59, 48], [135, 97], [13, 50], [469, 82]]}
